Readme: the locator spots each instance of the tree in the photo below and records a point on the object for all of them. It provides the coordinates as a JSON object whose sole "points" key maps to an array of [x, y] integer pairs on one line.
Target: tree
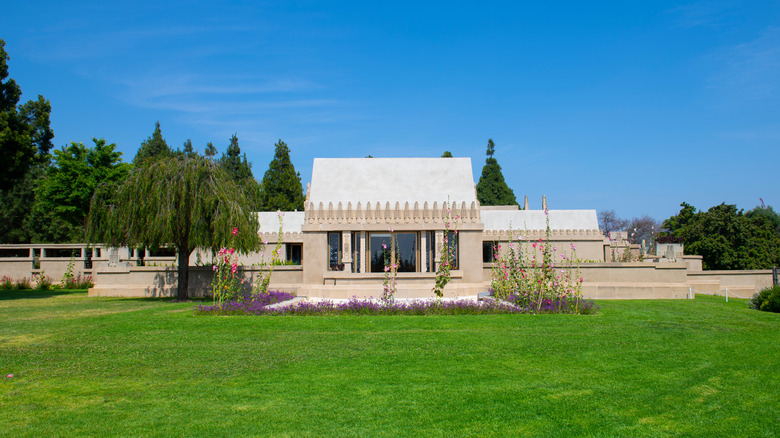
{"points": [[17, 205], [446, 154], [25, 135], [642, 228], [210, 150], [609, 221], [153, 147], [66, 192], [232, 161], [726, 238], [491, 188], [181, 202], [188, 151], [769, 213], [281, 186]]}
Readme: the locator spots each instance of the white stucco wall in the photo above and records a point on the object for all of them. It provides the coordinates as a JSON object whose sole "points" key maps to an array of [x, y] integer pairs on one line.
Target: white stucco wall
{"points": [[391, 180], [535, 219], [291, 221]]}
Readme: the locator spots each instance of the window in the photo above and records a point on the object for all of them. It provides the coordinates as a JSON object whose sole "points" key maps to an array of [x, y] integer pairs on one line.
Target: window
{"points": [[380, 251], [294, 253], [406, 251], [452, 242], [430, 251], [489, 251], [356, 252], [400, 247], [334, 252]]}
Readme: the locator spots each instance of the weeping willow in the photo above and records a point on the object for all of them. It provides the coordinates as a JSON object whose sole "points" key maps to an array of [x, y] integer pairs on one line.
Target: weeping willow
{"points": [[180, 202]]}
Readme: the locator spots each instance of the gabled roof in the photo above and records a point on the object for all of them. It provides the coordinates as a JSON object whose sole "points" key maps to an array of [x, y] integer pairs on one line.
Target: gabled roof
{"points": [[391, 180]]}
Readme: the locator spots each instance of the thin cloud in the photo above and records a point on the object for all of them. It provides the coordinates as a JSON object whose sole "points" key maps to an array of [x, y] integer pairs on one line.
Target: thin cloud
{"points": [[751, 71], [702, 13]]}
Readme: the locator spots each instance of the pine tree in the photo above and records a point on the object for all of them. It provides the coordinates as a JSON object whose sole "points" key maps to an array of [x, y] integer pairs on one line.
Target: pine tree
{"points": [[210, 150], [189, 151], [233, 163], [491, 188], [153, 147], [281, 187]]}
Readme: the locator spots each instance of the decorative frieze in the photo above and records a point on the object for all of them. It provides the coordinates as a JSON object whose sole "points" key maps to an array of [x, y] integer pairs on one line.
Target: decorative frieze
{"points": [[390, 214], [506, 235], [289, 237]]}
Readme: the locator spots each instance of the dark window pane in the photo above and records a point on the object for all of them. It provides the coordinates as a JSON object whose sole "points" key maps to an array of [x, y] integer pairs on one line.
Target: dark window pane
{"points": [[406, 251], [334, 248], [452, 242], [380, 247]]}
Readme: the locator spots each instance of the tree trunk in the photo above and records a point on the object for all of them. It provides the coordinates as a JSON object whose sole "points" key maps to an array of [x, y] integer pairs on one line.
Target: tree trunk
{"points": [[183, 283]]}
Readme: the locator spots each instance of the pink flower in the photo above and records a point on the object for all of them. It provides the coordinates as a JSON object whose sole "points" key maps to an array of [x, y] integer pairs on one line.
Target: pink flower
{"points": [[232, 250], [390, 229], [235, 231], [395, 266], [234, 268], [387, 268], [10, 376], [214, 267], [384, 246]]}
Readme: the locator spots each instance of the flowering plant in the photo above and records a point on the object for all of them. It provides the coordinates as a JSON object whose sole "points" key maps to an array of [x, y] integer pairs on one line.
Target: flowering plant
{"points": [[227, 282], [267, 267], [443, 275], [391, 272], [536, 280]]}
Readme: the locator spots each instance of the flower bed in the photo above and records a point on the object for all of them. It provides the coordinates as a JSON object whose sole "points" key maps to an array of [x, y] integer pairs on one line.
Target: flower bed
{"points": [[357, 306]]}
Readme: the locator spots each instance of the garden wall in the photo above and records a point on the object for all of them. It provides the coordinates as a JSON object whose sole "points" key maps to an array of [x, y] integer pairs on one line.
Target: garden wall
{"points": [[160, 281], [740, 284], [628, 280]]}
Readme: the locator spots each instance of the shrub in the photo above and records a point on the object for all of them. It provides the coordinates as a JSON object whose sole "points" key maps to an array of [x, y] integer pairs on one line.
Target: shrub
{"points": [[767, 299], [77, 282], [23, 283], [6, 283], [42, 282]]}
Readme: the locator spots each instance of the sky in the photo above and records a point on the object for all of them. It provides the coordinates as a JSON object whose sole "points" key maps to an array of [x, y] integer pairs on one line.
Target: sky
{"points": [[628, 106]]}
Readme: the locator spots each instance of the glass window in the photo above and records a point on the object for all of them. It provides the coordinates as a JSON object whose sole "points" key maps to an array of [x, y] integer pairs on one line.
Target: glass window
{"points": [[489, 251], [294, 253], [334, 252], [406, 251], [380, 247], [356, 252], [452, 242], [430, 251]]}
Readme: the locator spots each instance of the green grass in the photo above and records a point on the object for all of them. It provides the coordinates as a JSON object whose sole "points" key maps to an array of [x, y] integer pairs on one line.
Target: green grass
{"points": [[149, 367]]}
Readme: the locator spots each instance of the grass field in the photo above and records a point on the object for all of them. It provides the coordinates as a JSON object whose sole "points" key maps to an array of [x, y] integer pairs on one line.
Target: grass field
{"points": [[135, 367]]}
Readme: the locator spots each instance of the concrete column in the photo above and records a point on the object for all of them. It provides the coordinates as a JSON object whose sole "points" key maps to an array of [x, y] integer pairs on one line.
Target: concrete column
{"points": [[423, 252], [439, 244], [346, 252], [363, 251]]}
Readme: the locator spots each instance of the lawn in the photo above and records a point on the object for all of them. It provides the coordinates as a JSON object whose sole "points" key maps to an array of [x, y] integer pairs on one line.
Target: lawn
{"points": [[150, 367]]}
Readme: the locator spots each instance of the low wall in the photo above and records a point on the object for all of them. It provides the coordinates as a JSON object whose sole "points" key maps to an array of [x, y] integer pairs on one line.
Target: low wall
{"points": [[161, 281], [629, 280], [370, 285], [740, 284]]}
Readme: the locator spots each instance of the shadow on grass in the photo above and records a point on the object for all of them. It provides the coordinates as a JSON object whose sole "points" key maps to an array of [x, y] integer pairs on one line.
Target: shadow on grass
{"points": [[17, 294]]}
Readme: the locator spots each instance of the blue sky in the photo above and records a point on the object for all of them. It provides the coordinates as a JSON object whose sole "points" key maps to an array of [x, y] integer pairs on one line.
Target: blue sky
{"points": [[631, 106]]}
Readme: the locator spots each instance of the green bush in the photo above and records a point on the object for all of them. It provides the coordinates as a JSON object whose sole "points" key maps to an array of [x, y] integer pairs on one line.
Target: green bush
{"points": [[23, 283], [6, 283], [767, 299]]}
